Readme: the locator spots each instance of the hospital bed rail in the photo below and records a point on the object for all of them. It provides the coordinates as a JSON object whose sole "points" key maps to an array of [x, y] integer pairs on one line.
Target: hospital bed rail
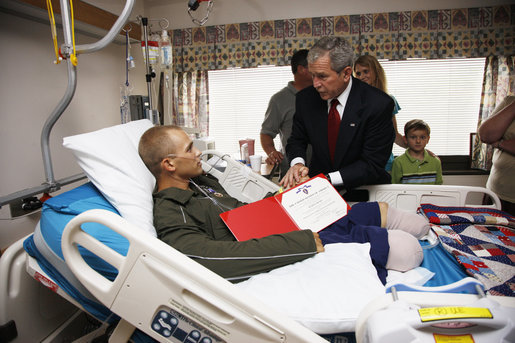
{"points": [[29, 311], [179, 283], [444, 311], [140, 255], [240, 181], [409, 197], [248, 186], [154, 279]]}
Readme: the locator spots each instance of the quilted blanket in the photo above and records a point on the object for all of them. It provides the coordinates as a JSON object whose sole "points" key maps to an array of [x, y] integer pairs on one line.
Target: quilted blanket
{"points": [[482, 241]]}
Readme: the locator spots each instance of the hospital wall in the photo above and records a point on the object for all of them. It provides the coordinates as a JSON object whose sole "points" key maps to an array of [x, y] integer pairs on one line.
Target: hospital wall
{"points": [[238, 11], [31, 85]]}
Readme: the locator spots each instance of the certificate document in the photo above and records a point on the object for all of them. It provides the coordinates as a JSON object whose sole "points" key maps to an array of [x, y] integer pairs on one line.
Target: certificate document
{"points": [[314, 205]]}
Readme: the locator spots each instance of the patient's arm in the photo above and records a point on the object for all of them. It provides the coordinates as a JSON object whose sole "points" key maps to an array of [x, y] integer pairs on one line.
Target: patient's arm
{"points": [[493, 129], [240, 260], [506, 145], [198, 232]]}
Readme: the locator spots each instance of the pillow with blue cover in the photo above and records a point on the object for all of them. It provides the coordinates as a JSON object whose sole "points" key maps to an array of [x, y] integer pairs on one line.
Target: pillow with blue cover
{"points": [[59, 210]]}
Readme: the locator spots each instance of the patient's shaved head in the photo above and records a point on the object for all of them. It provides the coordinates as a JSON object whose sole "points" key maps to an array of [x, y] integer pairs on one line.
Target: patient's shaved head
{"points": [[155, 144]]}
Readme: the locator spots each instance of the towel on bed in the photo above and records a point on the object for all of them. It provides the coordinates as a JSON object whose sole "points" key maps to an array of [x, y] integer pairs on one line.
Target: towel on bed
{"points": [[481, 239]]}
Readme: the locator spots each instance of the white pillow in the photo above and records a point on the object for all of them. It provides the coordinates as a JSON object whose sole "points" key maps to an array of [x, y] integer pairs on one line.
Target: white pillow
{"points": [[110, 159], [324, 293]]}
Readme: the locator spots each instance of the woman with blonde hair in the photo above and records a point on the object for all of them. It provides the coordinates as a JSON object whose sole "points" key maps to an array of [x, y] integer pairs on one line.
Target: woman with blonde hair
{"points": [[368, 70]]}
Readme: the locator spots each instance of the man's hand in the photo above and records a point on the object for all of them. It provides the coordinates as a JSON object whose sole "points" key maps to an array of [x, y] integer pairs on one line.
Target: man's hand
{"points": [[296, 174], [274, 157], [318, 242]]}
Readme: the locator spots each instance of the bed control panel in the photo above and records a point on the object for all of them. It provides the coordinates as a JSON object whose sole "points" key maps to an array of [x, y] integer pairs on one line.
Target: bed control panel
{"points": [[178, 328]]}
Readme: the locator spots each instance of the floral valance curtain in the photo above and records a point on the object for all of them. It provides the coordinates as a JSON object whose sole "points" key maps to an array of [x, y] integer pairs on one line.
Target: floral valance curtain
{"points": [[191, 101], [469, 32]]}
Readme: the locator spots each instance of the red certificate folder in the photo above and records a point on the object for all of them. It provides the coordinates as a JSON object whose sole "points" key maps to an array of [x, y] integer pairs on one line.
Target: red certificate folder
{"points": [[263, 218]]}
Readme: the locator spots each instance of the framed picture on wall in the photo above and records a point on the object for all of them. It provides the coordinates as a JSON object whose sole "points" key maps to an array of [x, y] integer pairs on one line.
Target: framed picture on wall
{"points": [[480, 154], [472, 143]]}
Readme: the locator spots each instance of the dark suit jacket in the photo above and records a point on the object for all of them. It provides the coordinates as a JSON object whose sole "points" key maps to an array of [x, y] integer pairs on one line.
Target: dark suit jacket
{"points": [[364, 141]]}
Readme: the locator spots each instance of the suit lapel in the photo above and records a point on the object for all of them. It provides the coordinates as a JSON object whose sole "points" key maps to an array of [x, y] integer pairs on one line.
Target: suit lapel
{"points": [[324, 111], [319, 124], [350, 122]]}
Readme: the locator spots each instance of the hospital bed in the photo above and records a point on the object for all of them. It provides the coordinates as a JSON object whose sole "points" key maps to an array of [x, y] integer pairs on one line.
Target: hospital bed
{"points": [[155, 290]]}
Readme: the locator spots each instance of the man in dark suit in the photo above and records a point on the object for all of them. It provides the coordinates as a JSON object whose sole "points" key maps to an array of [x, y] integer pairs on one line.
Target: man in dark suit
{"points": [[351, 137]]}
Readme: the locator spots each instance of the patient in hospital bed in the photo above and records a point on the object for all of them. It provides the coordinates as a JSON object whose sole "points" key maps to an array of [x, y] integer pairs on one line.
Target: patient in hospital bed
{"points": [[187, 205]]}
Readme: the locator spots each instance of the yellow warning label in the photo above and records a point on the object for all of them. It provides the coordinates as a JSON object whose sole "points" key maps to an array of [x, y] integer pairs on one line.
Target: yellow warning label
{"points": [[453, 312], [453, 338]]}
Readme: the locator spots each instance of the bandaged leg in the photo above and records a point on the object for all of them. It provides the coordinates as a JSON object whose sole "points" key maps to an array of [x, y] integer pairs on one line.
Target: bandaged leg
{"points": [[412, 223], [405, 251]]}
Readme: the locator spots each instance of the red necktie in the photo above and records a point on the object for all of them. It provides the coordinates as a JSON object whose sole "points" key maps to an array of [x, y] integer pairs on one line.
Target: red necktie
{"points": [[333, 126]]}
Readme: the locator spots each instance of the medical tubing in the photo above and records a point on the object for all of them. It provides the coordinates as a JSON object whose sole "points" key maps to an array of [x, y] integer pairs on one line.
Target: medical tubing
{"points": [[53, 30], [214, 201], [127, 58], [169, 95], [124, 88], [73, 56]]}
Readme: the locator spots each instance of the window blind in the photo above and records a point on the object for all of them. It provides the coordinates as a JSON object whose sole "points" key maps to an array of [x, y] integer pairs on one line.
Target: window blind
{"points": [[444, 93], [238, 99]]}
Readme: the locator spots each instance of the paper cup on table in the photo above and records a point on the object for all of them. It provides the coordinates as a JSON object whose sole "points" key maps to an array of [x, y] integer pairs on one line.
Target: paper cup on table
{"points": [[255, 163]]}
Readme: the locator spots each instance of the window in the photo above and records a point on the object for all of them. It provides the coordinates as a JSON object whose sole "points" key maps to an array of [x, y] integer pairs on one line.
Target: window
{"points": [[444, 93], [238, 99]]}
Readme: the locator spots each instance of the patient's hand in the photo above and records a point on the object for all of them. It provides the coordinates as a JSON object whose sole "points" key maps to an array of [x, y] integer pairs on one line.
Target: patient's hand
{"points": [[318, 242]]}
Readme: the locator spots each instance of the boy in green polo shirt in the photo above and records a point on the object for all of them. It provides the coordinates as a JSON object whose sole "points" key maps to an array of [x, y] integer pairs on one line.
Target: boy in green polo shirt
{"points": [[416, 165]]}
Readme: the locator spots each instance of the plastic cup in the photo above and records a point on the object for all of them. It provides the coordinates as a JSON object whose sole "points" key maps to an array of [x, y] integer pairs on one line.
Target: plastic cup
{"points": [[255, 162]]}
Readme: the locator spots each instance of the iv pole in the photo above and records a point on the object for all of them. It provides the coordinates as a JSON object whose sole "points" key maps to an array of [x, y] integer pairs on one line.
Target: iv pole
{"points": [[149, 72], [151, 113]]}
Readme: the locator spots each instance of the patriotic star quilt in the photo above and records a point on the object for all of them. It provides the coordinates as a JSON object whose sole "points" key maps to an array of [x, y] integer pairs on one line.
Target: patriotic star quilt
{"points": [[481, 239]]}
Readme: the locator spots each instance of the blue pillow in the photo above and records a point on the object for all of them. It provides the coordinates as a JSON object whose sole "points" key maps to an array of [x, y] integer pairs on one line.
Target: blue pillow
{"points": [[59, 210]]}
